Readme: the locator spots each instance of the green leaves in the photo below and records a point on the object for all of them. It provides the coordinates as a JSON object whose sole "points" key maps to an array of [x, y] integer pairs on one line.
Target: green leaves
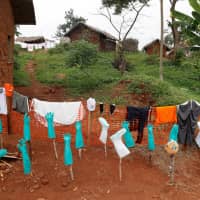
{"points": [[195, 5]]}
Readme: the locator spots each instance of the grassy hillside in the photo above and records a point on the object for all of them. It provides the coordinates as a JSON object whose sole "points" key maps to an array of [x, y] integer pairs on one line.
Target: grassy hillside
{"points": [[181, 80]]}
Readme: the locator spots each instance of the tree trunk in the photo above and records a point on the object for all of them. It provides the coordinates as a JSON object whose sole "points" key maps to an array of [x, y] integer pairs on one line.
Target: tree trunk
{"points": [[174, 29], [120, 61], [161, 40]]}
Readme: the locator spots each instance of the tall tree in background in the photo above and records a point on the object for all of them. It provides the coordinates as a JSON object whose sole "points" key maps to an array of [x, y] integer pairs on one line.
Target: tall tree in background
{"points": [[161, 39], [129, 10], [70, 21], [174, 28], [190, 25]]}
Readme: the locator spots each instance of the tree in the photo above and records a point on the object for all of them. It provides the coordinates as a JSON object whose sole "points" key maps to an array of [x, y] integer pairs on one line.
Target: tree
{"points": [[161, 40], [190, 25], [70, 21], [123, 8], [174, 28]]}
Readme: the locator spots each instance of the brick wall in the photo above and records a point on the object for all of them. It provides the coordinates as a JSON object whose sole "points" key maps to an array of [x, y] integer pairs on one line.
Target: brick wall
{"points": [[39, 132], [6, 44]]}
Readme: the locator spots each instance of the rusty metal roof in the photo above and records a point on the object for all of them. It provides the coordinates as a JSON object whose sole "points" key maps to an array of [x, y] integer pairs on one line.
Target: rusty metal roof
{"points": [[23, 11], [31, 40], [107, 35]]}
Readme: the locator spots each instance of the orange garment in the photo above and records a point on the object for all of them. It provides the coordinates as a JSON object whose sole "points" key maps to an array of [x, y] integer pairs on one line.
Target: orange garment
{"points": [[9, 89], [166, 114]]}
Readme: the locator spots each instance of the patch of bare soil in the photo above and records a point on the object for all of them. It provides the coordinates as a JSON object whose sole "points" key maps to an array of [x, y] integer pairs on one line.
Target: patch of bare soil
{"points": [[97, 177], [39, 90]]}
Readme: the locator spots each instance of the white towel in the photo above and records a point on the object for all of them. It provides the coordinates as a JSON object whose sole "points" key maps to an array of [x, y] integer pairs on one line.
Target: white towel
{"points": [[91, 104], [197, 139], [3, 104], [104, 130], [120, 147], [64, 112]]}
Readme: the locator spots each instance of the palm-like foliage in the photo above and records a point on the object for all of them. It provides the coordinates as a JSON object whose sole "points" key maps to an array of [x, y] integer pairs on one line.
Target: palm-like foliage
{"points": [[190, 25]]}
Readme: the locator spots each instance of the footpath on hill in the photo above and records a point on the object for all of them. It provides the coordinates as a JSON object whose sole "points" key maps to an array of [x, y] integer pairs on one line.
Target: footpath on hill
{"points": [[39, 90]]}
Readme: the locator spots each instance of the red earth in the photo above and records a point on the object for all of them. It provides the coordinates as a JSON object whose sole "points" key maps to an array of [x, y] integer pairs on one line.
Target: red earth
{"points": [[96, 177]]}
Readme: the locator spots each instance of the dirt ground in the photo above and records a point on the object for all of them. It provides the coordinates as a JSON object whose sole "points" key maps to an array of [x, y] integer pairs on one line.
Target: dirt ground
{"points": [[96, 177]]}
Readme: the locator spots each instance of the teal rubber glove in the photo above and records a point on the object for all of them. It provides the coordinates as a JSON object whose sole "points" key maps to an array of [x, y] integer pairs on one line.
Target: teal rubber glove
{"points": [[151, 143], [1, 127], [128, 138], [25, 157], [51, 132], [174, 133], [27, 131], [3, 152], [68, 160], [79, 143]]}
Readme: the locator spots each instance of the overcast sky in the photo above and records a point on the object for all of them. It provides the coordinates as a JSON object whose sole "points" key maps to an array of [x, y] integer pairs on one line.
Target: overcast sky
{"points": [[50, 13]]}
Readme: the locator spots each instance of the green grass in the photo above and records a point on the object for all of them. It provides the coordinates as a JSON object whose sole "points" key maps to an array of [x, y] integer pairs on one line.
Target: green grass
{"points": [[181, 82], [21, 77]]}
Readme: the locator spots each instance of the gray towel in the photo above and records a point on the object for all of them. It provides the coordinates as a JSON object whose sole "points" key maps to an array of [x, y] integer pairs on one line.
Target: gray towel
{"points": [[20, 103]]}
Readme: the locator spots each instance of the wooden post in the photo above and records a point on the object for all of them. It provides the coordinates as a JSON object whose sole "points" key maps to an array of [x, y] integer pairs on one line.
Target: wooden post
{"points": [[172, 165], [29, 149], [80, 153], [120, 169], [55, 149], [71, 172], [89, 127], [105, 150]]}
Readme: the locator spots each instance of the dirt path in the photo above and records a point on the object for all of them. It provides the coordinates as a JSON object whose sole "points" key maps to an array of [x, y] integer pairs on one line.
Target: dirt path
{"points": [[38, 90]]}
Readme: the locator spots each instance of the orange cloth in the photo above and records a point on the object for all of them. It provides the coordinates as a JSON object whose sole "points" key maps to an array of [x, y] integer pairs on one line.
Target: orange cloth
{"points": [[9, 89], [166, 114]]}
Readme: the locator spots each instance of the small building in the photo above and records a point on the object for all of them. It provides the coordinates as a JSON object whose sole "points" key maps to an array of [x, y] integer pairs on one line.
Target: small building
{"points": [[153, 48], [12, 12], [35, 42], [82, 31]]}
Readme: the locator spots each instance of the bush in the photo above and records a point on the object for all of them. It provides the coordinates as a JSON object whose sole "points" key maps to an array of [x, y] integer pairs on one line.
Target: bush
{"points": [[82, 53], [59, 48]]}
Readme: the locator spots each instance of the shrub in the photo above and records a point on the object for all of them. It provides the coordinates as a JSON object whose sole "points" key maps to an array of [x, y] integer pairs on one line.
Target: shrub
{"points": [[59, 48], [82, 53]]}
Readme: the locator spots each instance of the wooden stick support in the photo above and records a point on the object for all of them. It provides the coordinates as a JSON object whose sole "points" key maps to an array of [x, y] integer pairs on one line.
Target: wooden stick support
{"points": [[105, 150], [80, 153], [4, 162], [29, 149], [71, 172], [172, 165], [89, 127], [55, 149], [150, 157], [120, 169]]}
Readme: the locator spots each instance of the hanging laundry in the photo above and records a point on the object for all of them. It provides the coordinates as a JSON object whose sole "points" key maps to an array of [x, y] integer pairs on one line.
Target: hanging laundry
{"points": [[128, 138], [174, 133], [120, 147], [20, 103], [9, 89], [101, 107], [91, 104], [25, 157], [68, 159], [64, 112], [166, 114], [3, 104], [104, 130], [27, 131], [142, 115], [51, 132], [79, 143], [1, 126], [187, 119], [151, 142], [112, 108], [197, 139]]}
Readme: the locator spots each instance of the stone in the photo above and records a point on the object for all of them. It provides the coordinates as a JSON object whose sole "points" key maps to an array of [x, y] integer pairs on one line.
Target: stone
{"points": [[44, 181]]}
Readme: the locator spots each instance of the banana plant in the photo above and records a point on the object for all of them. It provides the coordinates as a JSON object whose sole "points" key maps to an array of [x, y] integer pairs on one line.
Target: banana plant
{"points": [[190, 25]]}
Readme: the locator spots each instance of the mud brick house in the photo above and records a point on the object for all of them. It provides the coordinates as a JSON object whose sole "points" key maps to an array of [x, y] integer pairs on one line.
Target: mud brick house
{"points": [[104, 40], [153, 48], [12, 12]]}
